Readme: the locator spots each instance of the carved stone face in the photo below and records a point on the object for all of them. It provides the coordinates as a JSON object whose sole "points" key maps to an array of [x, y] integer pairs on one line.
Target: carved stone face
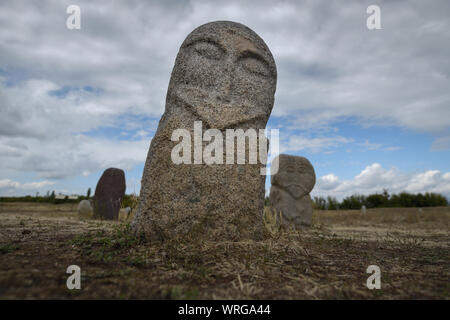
{"points": [[295, 175], [225, 75]]}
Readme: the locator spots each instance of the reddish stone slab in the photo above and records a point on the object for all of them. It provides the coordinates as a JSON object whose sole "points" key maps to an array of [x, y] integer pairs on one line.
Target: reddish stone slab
{"points": [[109, 193]]}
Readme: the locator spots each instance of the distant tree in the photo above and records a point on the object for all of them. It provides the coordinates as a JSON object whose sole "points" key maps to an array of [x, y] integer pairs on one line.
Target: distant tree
{"points": [[377, 201], [52, 197], [332, 203], [319, 203], [406, 199], [435, 200], [354, 202], [88, 194]]}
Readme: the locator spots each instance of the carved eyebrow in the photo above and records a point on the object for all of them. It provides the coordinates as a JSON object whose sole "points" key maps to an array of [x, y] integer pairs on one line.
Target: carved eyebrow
{"points": [[248, 53], [204, 39]]}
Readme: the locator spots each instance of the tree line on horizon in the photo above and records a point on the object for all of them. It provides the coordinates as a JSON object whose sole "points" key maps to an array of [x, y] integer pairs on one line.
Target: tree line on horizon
{"points": [[353, 202], [129, 200], [50, 197], [381, 200]]}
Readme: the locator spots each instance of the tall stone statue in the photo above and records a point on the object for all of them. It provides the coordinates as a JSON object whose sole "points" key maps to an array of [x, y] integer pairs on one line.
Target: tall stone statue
{"points": [[289, 193], [225, 77], [109, 194]]}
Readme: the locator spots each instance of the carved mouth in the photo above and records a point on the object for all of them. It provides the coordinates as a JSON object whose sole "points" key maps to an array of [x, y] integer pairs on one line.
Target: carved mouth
{"points": [[216, 112], [294, 185]]}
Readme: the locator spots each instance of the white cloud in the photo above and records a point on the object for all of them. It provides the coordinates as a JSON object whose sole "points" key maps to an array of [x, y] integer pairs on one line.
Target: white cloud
{"points": [[330, 66], [10, 187], [295, 143], [375, 178], [441, 143], [328, 182], [72, 155], [370, 145]]}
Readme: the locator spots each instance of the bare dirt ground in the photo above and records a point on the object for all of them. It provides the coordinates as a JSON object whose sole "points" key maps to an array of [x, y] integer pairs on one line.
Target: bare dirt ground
{"points": [[327, 261]]}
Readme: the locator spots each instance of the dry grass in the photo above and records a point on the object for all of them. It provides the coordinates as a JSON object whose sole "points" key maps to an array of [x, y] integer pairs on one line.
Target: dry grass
{"points": [[326, 261]]}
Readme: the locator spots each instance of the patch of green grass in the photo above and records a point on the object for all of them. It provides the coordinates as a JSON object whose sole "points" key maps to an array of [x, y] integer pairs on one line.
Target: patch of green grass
{"points": [[181, 293], [8, 248], [136, 260], [120, 237], [102, 256], [104, 247], [105, 274]]}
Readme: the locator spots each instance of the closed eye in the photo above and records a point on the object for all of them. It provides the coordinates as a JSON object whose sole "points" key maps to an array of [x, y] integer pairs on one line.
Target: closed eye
{"points": [[255, 64], [208, 49]]}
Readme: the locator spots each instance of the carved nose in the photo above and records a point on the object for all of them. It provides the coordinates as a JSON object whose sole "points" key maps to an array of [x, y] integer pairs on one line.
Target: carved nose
{"points": [[226, 83]]}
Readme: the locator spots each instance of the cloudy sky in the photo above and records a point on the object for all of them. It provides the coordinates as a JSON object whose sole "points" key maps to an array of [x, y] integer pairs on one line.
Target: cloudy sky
{"points": [[369, 108]]}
